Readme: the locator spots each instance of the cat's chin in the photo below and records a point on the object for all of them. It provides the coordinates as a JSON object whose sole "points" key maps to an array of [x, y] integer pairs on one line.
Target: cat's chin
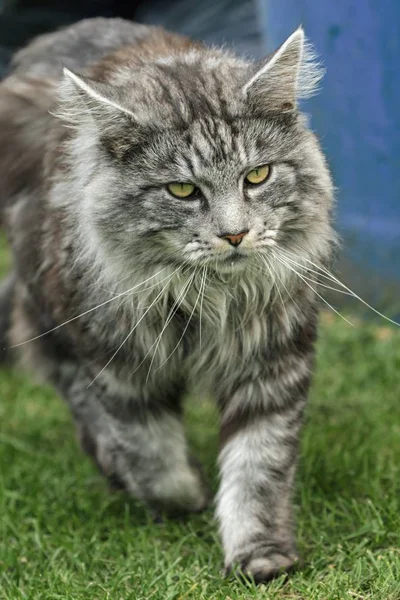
{"points": [[231, 266]]}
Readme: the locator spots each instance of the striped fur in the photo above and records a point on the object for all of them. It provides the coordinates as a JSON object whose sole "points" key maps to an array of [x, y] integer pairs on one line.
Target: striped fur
{"points": [[131, 297]]}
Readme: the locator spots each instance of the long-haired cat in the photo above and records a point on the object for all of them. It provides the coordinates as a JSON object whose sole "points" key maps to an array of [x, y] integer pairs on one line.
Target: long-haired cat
{"points": [[156, 194]]}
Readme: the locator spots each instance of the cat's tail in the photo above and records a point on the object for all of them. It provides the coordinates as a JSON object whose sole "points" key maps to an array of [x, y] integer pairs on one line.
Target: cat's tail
{"points": [[24, 106]]}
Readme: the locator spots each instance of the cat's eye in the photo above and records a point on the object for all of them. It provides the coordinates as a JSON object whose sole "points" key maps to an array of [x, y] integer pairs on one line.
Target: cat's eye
{"points": [[258, 175], [182, 190]]}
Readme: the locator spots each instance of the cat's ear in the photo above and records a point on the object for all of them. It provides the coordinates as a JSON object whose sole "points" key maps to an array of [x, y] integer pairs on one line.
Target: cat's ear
{"points": [[82, 100], [292, 72]]}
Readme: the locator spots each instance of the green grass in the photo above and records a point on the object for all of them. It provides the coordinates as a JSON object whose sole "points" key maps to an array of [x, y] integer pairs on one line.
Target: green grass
{"points": [[63, 535]]}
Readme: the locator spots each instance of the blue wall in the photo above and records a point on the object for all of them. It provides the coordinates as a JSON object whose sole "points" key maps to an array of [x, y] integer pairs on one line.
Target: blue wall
{"points": [[357, 116]]}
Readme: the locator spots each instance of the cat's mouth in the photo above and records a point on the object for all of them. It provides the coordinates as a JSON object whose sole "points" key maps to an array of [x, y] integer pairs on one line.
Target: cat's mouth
{"points": [[234, 258], [234, 262]]}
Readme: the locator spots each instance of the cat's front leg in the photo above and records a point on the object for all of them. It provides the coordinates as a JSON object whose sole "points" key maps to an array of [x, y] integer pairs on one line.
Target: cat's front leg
{"points": [[138, 443], [259, 439]]}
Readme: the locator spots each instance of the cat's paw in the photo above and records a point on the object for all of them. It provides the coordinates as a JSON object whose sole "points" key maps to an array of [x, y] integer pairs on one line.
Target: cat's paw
{"points": [[264, 567], [180, 492]]}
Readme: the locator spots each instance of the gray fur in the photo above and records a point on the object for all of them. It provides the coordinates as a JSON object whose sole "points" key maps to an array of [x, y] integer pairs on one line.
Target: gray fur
{"points": [[7, 290], [165, 303]]}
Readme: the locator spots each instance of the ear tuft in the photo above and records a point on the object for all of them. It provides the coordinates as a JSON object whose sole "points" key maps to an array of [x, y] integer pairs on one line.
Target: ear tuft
{"points": [[291, 73], [311, 71]]}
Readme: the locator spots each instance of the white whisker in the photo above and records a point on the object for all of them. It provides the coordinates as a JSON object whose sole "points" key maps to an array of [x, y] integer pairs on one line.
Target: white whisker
{"points": [[350, 291], [274, 275], [132, 330], [316, 282], [203, 285], [117, 283], [183, 333], [86, 312], [328, 287], [281, 281], [175, 307], [314, 290], [318, 272]]}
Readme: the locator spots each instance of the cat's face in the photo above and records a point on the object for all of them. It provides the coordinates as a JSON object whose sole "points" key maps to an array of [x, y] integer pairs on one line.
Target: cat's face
{"points": [[208, 177], [214, 159]]}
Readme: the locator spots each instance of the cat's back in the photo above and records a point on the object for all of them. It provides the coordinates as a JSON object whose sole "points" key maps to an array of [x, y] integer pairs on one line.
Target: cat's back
{"points": [[29, 94], [78, 46]]}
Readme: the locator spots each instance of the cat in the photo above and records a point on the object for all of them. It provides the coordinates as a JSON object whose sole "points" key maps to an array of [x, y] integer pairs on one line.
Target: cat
{"points": [[157, 194]]}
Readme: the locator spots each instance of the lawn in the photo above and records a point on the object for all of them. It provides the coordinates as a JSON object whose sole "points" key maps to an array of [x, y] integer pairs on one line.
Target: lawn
{"points": [[63, 535]]}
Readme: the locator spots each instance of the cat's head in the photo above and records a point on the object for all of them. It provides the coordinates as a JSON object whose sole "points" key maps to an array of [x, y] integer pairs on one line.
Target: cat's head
{"points": [[200, 158]]}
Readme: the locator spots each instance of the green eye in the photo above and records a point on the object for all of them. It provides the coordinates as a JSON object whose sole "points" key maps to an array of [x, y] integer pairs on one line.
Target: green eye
{"points": [[258, 175], [181, 190]]}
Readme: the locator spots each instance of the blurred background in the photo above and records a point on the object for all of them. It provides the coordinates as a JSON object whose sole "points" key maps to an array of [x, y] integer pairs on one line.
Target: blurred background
{"points": [[356, 114]]}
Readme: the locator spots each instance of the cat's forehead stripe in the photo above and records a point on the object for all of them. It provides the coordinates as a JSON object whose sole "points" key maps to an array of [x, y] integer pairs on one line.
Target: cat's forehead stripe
{"points": [[197, 89]]}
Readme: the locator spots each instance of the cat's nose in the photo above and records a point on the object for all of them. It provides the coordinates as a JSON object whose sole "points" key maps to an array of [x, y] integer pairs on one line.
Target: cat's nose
{"points": [[234, 238]]}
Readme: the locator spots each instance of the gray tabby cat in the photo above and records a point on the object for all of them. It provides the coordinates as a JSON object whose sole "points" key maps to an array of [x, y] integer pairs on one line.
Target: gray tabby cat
{"points": [[155, 204]]}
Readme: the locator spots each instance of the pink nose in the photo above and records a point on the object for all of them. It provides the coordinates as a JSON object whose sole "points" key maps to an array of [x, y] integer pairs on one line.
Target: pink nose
{"points": [[234, 238]]}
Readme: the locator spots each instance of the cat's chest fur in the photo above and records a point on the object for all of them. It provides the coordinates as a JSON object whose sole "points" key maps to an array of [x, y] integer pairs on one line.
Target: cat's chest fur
{"points": [[217, 332]]}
